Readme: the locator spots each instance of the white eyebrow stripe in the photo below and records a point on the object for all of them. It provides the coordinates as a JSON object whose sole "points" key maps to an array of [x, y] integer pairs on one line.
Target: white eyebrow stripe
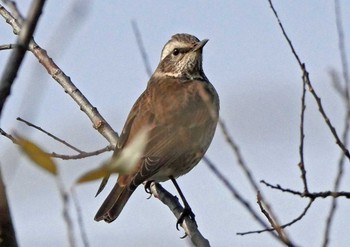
{"points": [[168, 48]]}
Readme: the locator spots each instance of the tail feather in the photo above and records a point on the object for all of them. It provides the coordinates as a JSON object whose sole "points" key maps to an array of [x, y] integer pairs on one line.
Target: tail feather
{"points": [[114, 203]]}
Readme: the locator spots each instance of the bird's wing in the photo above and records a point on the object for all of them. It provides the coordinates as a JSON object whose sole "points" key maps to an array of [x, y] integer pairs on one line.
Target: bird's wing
{"points": [[124, 135]]}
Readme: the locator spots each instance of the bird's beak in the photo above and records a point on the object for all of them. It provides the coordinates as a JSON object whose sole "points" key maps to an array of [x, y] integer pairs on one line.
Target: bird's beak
{"points": [[200, 44]]}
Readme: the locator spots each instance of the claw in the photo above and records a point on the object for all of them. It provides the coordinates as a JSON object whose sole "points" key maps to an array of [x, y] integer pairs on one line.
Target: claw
{"points": [[148, 188], [187, 212], [184, 236]]}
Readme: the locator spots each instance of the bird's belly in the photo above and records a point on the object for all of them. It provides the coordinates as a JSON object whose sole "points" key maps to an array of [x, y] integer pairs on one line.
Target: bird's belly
{"points": [[178, 167]]}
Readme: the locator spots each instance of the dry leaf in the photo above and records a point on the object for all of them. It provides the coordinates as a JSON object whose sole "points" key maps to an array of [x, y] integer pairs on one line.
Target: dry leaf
{"points": [[37, 155], [123, 163]]}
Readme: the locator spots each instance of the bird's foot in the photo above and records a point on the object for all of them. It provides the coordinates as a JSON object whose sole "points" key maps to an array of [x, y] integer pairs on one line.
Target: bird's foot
{"points": [[187, 212]]}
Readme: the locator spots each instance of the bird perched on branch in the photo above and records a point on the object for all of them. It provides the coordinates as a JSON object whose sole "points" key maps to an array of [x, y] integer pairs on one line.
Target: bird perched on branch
{"points": [[179, 112]]}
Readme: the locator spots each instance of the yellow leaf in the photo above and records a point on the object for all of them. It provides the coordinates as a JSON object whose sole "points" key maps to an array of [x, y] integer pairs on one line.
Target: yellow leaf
{"points": [[124, 163], [37, 155], [93, 175]]}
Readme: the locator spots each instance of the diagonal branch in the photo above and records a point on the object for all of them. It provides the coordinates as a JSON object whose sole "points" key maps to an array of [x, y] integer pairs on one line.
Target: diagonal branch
{"points": [[237, 195], [306, 79], [266, 210], [189, 225], [239, 156], [19, 51], [50, 135], [7, 232], [284, 225], [345, 95], [142, 49], [57, 74]]}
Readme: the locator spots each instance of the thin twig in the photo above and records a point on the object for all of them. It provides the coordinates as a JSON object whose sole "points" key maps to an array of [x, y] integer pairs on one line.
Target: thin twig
{"points": [[266, 210], [50, 135], [81, 155], [65, 211], [341, 45], [81, 224], [307, 80], [142, 49], [346, 97], [337, 182], [7, 47], [302, 136], [314, 195], [284, 225], [17, 54], [13, 139], [239, 156], [337, 84], [236, 194]]}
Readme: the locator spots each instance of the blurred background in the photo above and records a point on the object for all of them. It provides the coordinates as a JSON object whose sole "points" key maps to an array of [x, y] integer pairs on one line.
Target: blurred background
{"points": [[259, 83]]}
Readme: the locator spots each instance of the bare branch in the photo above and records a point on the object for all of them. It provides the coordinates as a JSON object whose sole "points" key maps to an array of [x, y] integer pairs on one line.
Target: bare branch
{"points": [[81, 155], [13, 139], [306, 79], [57, 74], [12, 5], [66, 216], [346, 98], [188, 224], [337, 83], [239, 156], [237, 195], [142, 49], [7, 47], [313, 195], [18, 53], [284, 225], [51, 135], [81, 225], [266, 210], [7, 232], [341, 45], [302, 136]]}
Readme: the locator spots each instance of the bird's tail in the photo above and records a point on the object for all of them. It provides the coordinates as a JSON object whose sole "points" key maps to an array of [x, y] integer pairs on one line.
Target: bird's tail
{"points": [[114, 203]]}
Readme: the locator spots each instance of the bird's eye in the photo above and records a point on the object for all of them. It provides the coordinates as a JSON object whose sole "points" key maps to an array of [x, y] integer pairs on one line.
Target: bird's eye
{"points": [[176, 52]]}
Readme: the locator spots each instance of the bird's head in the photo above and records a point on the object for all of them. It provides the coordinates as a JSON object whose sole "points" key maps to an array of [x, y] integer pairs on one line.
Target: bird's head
{"points": [[182, 57]]}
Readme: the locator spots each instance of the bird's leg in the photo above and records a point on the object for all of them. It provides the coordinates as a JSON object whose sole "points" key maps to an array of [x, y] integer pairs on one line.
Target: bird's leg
{"points": [[187, 209], [148, 188]]}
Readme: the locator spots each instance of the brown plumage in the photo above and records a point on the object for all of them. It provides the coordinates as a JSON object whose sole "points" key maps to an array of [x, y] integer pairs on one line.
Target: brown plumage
{"points": [[179, 109]]}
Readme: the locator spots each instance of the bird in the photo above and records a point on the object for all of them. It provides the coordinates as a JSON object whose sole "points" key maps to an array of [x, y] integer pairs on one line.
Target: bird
{"points": [[179, 111]]}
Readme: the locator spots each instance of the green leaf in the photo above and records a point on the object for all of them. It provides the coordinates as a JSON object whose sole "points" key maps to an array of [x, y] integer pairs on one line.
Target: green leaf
{"points": [[37, 155]]}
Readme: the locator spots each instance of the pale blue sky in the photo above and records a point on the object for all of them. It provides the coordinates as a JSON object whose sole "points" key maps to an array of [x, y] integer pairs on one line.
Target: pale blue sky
{"points": [[259, 84]]}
